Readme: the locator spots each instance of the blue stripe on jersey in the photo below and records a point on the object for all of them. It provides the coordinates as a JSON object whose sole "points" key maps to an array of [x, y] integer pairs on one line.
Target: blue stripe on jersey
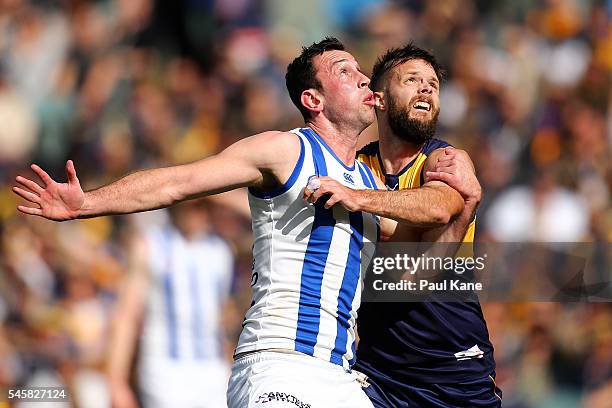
{"points": [[373, 185], [349, 286], [290, 182], [315, 258], [169, 297], [170, 315], [364, 176], [371, 176], [197, 320], [312, 135]]}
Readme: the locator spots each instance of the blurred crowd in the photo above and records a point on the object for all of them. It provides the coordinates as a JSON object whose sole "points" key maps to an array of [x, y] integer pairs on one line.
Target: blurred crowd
{"points": [[118, 85]]}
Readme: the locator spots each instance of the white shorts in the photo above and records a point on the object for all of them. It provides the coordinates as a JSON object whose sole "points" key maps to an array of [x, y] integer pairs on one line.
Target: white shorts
{"points": [[183, 384], [270, 379]]}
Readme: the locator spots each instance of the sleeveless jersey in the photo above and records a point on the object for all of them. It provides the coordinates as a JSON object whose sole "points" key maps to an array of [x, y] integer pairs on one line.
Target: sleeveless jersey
{"points": [[429, 341], [190, 280], [308, 261]]}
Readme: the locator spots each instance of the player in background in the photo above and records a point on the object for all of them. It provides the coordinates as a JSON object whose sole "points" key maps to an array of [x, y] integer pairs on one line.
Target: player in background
{"points": [[169, 314], [308, 259]]}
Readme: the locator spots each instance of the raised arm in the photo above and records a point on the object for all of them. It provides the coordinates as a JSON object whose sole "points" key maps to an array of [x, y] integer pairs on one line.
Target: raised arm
{"points": [[253, 161]]}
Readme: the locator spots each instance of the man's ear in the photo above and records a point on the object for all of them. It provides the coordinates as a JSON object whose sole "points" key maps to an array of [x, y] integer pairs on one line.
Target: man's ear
{"points": [[312, 100], [379, 98]]}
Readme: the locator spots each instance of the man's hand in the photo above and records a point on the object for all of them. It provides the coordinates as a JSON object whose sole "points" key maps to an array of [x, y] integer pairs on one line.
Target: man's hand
{"points": [[336, 193], [56, 201], [456, 169]]}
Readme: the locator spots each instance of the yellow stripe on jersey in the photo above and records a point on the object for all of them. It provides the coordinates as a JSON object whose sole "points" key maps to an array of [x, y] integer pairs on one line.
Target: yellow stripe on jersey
{"points": [[411, 178]]}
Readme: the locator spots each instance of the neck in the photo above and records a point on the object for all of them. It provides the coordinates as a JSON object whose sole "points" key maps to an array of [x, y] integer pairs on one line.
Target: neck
{"points": [[395, 152], [341, 139]]}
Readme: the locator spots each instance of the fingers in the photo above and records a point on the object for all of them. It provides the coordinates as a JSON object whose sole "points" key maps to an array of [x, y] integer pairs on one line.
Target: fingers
{"points": [[27, 183], [460, 156], [31, 197], [311, 187], [331, 201], [316, 195], [446, 159], [42, 174], [319, 187], [306, 194], [30, 210], [71, 172], [439, 175], [311, 196], [445, 165]]}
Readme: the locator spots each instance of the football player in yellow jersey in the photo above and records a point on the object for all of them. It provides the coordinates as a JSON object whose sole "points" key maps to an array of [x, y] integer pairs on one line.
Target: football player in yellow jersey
{"points": [[409, 351]]}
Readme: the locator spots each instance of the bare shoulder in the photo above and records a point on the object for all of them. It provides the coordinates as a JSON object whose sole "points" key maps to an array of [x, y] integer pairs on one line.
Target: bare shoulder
{"points": [[273, 153], [279, 141], [273, 142]]}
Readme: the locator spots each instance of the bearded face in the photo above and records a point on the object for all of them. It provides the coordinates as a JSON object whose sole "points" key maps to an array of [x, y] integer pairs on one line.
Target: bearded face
{"points": [[408, 123], [412, 101]]}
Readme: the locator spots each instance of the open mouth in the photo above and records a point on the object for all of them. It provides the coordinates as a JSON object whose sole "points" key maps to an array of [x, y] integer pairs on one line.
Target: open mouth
{"points": [[422, 105]]}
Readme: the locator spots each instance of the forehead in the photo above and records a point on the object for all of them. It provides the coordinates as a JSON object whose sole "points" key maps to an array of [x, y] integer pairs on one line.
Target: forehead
{"points": [[415, 66], [328, 58]]}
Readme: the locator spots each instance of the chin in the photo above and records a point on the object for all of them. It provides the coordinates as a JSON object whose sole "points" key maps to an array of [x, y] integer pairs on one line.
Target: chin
{"points": [[420, 117], [368, 119]]}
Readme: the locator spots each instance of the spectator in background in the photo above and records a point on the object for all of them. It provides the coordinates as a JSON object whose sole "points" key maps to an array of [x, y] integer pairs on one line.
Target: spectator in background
{"points": [[170, 313]]}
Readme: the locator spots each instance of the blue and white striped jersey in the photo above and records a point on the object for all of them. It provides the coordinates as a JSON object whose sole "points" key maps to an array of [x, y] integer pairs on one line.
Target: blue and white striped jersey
{"points": [[308, 261], [190, 282]]}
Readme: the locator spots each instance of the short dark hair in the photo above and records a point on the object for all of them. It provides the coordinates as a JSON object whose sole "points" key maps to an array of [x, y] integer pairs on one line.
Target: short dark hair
{"points": [[396, 56], [301, 73]]}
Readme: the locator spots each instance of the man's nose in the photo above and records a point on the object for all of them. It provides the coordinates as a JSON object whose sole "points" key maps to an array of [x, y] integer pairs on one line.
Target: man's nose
{"points": [[364, 81], [425, 87]]}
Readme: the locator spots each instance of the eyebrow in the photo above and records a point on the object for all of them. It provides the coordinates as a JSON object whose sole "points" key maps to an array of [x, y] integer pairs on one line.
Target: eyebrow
{"points": [[339, 61], [417, 72], [346, 60]]}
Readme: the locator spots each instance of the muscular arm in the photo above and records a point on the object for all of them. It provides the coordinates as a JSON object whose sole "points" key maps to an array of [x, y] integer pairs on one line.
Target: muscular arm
{"points": [[425, 213], [432, 205], [253, 161], [461, 175], [455, 227]]}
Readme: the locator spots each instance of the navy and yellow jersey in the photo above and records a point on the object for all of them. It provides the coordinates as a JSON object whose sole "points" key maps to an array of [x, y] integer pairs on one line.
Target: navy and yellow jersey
{"points": [[410, 176], [421, 342]]}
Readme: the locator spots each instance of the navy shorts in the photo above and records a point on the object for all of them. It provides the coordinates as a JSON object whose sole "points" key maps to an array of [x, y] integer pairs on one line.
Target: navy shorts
{"points": [[480, 393]]}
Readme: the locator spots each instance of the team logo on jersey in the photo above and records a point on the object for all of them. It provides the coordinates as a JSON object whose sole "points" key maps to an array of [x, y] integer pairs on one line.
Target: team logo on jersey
{"points": [[349, 178], [472, 352]]}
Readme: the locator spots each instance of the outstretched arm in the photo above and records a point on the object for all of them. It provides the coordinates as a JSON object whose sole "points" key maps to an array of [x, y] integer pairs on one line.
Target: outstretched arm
{"points": [[253, 161]]}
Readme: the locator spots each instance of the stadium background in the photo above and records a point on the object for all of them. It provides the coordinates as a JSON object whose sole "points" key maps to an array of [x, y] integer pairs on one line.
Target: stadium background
{"points": [[121, 85]]}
